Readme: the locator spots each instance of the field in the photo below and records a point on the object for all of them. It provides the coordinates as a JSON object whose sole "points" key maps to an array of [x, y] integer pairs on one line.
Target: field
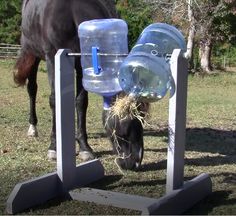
{"points": [[210, 147]]}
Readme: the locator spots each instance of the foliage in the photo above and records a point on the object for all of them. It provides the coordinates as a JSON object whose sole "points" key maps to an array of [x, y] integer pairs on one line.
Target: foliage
{"points": [[132, 11], [169, 11], [215, 19], [136, 15], [224, 55], [226, 27], [10, 19]]}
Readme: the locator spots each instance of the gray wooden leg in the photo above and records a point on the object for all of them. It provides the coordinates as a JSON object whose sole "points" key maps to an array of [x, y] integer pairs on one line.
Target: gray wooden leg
{"points": [[33, 192], [69, 174], [177, 122], [180, 200], [175, 202], [39, 190]]}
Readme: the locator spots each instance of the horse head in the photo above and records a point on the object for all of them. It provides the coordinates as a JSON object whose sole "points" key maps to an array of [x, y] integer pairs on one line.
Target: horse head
{"points": [[126, 134]]}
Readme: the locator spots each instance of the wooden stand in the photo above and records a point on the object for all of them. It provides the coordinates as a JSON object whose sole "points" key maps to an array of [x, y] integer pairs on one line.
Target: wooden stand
{"points": [[180, 195]]}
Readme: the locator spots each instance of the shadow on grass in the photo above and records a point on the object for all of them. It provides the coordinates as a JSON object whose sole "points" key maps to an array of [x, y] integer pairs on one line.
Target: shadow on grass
{"points": [[101, 154], [153, 166], [227, 177], [217, 198], [55, 202], [161, 132], [107, 182], [211, 160], [199, 140], [114, 182], [203, 140], [97, 135], [211, 140], [161, 150], [144, 183]]}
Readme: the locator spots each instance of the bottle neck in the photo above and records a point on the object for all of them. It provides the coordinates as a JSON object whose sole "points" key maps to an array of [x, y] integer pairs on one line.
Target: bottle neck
{"points": [[107, 100]]}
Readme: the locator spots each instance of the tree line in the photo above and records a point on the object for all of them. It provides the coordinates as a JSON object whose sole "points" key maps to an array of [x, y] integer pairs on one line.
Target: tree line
{"points": [[208, 25]]}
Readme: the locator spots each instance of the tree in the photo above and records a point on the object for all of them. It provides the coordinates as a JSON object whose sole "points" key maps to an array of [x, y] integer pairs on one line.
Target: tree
{"points": [[137, 16], [208, 21], [10, 19], [215, 20], [179, 13]]}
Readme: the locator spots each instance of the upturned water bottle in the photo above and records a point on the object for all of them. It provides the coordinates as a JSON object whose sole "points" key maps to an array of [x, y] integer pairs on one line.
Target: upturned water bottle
{"points": [[103, 43], [145, 73]]}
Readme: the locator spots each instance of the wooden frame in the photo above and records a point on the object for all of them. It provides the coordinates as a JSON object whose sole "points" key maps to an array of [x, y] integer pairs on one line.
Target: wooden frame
{"points": [[180, 195]]}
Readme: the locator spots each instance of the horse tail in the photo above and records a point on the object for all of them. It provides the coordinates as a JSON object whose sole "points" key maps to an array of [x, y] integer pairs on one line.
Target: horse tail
{"points": [[23, 67]]}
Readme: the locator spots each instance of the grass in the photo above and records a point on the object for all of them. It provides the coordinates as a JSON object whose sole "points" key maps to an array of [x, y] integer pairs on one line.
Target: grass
{"points": [[210, 147]]}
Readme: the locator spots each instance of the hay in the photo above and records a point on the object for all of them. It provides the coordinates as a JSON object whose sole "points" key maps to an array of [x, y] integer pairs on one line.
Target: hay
{"points": [[124, 108], [127, 107]]}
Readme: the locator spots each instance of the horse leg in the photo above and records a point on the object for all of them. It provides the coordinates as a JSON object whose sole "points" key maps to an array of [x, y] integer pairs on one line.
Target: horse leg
{"points": [[51, 78], [32, 88], [85, 151]]}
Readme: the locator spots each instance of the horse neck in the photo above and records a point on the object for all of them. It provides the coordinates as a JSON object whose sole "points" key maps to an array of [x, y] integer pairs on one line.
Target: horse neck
{"points": [[94, 9], [110, 7]]}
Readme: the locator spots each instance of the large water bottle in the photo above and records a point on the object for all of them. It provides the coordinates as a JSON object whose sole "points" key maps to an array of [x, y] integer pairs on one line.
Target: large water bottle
{"points": [[145, 73], [103, 43]]}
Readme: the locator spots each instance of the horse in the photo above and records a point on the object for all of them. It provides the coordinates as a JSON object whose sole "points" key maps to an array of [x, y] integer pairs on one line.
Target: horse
{"points": [[48, 25]]}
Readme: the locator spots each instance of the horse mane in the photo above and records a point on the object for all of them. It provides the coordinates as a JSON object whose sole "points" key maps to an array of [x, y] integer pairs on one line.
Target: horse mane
{"points": [[23, 68]]}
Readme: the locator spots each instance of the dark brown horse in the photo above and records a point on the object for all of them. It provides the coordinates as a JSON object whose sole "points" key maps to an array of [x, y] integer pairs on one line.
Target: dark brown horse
{"points": [[48, 25]]}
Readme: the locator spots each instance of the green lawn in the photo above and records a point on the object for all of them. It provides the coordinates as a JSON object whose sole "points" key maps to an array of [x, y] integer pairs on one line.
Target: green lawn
{"points": [[210, 147]]}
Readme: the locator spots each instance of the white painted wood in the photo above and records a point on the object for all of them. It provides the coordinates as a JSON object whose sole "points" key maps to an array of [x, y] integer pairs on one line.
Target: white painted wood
{"points": [[87, 173], [177, 122], [180, 196], [111, 198], [39, 190], [175, 202], [33, 192], [65, 117], [65, 127], [180, 200], [68, 176]]}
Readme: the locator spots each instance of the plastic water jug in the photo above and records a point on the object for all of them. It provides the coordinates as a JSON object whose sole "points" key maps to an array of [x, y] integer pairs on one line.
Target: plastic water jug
{"points": [[103, 43], [145, 73]]}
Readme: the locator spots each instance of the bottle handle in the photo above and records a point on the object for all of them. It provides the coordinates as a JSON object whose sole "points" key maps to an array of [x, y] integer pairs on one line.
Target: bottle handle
{"points": [[96, 67]]}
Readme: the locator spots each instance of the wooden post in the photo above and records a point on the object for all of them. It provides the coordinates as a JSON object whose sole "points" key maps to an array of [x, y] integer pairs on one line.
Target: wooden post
{"points": [[65, 117], [177, 121], [68, 176]]}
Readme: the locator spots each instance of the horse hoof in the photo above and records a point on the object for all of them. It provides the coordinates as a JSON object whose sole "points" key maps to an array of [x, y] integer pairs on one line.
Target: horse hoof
{"points": [[52, 155], [86, 155], [32, 132]]}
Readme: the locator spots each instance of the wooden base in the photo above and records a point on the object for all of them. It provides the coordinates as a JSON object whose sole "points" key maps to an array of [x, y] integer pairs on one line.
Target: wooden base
{"points": [[175, 202], [39, 190]]}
